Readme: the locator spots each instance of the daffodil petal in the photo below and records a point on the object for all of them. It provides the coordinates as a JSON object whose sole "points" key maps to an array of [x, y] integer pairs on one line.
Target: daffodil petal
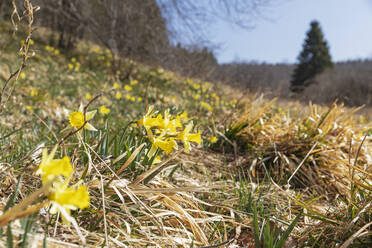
{"points": [[90, 127], [89, 115]]}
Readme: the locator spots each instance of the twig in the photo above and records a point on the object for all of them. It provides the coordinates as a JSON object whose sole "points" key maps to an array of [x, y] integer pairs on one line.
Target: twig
{"points": [[302, 162]]}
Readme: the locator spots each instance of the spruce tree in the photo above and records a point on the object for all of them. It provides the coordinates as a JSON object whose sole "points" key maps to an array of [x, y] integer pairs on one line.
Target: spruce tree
{"points": [[313, 59]]}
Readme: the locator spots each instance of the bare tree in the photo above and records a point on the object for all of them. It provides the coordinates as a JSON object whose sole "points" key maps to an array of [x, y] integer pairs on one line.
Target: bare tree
{"points": [[194, 17]]}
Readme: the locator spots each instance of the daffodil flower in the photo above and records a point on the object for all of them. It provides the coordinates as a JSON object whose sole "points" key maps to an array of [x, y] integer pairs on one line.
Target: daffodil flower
{"points": [[148, 121], [169, 124], [77, 120], [127, 87], [213, 139], [167, 145], [186, 137], [103, 110], [161, 141], [118, 95], [50, 167], [69, 198], [88, 96]]}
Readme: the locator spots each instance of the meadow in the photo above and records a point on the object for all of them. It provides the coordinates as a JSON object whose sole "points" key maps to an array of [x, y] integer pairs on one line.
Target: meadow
{"points": [[102, 151]]}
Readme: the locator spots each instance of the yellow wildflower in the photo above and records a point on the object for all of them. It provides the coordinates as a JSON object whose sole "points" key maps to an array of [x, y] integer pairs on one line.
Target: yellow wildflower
{"points": [[206, 106], [34, 92], [68, 198], [169, 124], [128, 97], [139, 99], [127, 87], [103, 110], [213, 139], [133, 82], [50, 167], [196, 96], [22, 75], [186, 137], [88, 96], [77, 66], [76, 119], [148, 121], [28, 107], [118, 95], [165, 144], [73, 60], [70, 66], [133, 99], [57, 52], [116, 85]]}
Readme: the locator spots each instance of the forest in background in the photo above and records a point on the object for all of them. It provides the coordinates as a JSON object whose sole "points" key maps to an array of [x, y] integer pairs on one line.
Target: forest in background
{"points": [[151, 32]]}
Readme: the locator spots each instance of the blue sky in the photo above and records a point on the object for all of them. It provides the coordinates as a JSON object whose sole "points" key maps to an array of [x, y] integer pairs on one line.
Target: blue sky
{"points": [[278, 36]]}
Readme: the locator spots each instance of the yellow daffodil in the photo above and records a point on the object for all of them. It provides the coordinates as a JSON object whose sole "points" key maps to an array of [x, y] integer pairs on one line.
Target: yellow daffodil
{"points": [[34, 92], [206, 106], [186, 137], [213, 139], [148, 121], [57, 52], [133, 82], [196, 96], [70, 66], [103, 110], [165, 144], [127, 87], [76, 119], [139, 99], [28, 107], [50, 167], [169, 124], [68, 198], [118, 95], [77, 66], [73, 60], [88, 96], [116, 85], [22, 75]]}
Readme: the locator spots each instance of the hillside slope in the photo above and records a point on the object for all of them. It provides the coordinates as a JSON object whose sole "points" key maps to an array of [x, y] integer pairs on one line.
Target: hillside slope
{"points": [[151, 180]]}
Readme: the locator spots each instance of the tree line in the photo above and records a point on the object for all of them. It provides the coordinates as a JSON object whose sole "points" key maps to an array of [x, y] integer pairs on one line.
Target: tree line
{"points": [[161, 32]]}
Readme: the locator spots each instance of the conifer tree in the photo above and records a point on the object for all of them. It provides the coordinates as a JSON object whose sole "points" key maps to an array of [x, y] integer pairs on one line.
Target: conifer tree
{"points": [[313, 59]]}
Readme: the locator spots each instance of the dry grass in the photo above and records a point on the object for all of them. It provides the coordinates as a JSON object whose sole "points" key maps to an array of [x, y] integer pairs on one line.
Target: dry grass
{"points": [[278, 157]]}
